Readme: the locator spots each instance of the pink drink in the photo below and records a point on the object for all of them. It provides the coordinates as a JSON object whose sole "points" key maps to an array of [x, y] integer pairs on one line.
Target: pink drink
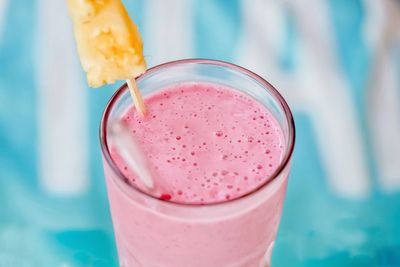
{"points": [[215, 155], [204, 143]]}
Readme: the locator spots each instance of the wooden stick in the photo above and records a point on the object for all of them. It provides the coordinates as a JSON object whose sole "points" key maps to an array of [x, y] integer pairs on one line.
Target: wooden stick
{"points": [[136, 96]]}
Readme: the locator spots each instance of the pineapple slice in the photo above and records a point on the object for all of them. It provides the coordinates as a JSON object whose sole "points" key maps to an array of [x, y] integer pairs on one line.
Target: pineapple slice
{"points": [[109, 43]]}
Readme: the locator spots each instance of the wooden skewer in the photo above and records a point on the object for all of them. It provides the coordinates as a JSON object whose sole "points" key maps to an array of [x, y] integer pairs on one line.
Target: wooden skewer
{"points": [[136, 96]]}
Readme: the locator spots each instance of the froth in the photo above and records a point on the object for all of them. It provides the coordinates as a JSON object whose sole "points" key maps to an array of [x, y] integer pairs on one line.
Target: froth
{"points": [[204, 143]]}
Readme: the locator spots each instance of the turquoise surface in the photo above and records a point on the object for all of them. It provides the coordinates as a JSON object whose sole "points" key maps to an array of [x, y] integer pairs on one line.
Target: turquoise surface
{"points": [[320, 227]]}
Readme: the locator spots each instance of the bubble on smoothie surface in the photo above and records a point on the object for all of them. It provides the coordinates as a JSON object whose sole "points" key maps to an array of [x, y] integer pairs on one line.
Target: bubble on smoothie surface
{"points": [[204, 143]]}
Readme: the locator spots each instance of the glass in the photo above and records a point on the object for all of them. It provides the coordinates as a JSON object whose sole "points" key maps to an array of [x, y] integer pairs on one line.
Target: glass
{"points": [[240, 232]]}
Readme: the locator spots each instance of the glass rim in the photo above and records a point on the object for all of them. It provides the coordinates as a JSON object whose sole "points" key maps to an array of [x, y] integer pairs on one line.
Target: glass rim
{"points": [[267, 86]]}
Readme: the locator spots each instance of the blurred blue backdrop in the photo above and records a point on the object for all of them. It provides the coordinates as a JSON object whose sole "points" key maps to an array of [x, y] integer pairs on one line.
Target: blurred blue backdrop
{"points": [[337, 62]]}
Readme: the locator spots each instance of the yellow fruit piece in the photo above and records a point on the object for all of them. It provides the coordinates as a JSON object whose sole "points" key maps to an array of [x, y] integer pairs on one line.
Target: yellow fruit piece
{"points": [[109, 43]]}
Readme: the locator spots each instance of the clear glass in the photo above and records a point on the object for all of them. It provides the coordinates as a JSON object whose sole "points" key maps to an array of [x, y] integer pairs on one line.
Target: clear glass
{"points": [[240, 232]]}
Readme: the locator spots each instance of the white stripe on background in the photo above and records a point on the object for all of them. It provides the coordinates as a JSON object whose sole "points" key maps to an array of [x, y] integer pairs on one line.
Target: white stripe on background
{"points": [[383, 95], [62, 100], [374, 23], [330, 105], [168, 30], [317, 87], [384, 122], [260, 42], [3, 8]]}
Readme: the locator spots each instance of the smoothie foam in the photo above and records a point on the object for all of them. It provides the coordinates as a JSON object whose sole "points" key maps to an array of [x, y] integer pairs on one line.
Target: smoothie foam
{"points": [[204, 143]]}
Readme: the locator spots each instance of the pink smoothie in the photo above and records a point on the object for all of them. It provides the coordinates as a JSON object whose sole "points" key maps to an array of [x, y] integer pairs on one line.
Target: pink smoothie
{"points": [[204, 143]]}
